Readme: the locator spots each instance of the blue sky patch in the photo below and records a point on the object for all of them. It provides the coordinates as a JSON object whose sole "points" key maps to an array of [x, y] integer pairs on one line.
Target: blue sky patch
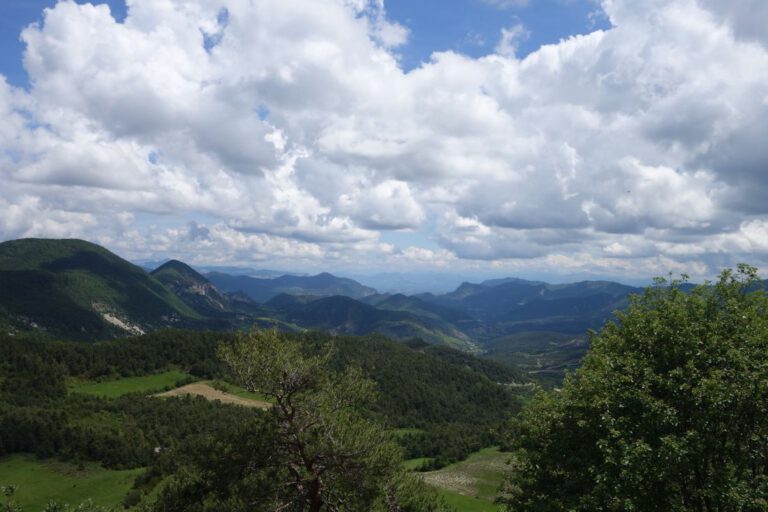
{"points": [[473, 27]]}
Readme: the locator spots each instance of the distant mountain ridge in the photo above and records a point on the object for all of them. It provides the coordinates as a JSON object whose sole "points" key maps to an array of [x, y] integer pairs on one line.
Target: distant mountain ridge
{"points": [[261, 273], [538, 326], [262, 290], [506, 299]]}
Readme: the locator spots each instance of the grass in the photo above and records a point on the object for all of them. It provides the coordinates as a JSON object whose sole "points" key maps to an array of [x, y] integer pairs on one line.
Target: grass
{"points": [[472, 484], [40, 481], [462, 503], [119, 387], [416, 464]]}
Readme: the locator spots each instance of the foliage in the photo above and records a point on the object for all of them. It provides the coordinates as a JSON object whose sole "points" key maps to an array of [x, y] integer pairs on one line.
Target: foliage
{"points": [[192, 351], [669, 411], [334, 458], [120, 433]]}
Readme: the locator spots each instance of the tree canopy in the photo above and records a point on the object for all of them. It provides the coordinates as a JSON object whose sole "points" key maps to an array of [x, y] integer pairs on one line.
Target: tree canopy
{"points": [[669, 411], [333, 457]]}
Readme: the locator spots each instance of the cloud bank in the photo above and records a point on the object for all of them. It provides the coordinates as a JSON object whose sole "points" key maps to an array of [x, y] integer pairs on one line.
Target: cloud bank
{"points": [[286, 131]]}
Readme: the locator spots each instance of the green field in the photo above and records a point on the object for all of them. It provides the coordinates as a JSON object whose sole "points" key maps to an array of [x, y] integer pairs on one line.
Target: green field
{"points": [[119, 387], [471, 485], [40, 481]]}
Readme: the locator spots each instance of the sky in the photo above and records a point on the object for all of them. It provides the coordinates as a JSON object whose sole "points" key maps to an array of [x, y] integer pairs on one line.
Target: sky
{"points": [[535, 138]]}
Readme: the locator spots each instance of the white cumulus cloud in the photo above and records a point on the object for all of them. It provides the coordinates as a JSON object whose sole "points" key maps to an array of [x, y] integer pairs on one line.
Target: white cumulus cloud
{"points": [[287, 129]]}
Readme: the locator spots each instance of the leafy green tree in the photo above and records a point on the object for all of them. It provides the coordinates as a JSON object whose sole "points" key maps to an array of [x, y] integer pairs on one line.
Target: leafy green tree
{"points": [[334, 458], [668, 413]]}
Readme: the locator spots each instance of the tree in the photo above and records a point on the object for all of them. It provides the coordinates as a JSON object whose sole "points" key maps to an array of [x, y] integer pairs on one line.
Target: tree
{"points": [[668, 412], [334, 458]]}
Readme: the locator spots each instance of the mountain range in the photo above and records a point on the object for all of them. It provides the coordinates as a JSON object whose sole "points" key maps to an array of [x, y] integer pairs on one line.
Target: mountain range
{"points": [[72, 289], [261, 289]]}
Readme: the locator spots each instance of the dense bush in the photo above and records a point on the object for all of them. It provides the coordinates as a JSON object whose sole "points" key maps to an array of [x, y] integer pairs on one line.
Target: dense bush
{"points": [[669, 411]]}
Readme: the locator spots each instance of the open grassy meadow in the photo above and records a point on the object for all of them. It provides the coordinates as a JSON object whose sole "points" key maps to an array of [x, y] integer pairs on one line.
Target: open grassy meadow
{"points": [[471, 485], [119, 387], [39, 481]]}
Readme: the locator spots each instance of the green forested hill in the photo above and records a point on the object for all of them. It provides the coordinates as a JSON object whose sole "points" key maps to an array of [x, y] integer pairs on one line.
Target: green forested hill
{"points": [[421, 383], [77, 289]]}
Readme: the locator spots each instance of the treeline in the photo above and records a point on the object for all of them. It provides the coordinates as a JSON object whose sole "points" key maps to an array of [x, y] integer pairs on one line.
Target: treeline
{"points": [[194, 351]]}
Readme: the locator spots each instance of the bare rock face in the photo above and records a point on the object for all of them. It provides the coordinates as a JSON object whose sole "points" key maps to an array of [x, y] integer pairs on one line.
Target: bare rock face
{"points": [[190, 286]]}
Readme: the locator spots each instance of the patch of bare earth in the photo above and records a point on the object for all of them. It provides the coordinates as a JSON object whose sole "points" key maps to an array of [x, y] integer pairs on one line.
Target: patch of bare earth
{"points": [[210, 393]]}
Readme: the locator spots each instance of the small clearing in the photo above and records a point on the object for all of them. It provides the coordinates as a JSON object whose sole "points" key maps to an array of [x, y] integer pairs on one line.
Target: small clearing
{"points": [[209, 393]]}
